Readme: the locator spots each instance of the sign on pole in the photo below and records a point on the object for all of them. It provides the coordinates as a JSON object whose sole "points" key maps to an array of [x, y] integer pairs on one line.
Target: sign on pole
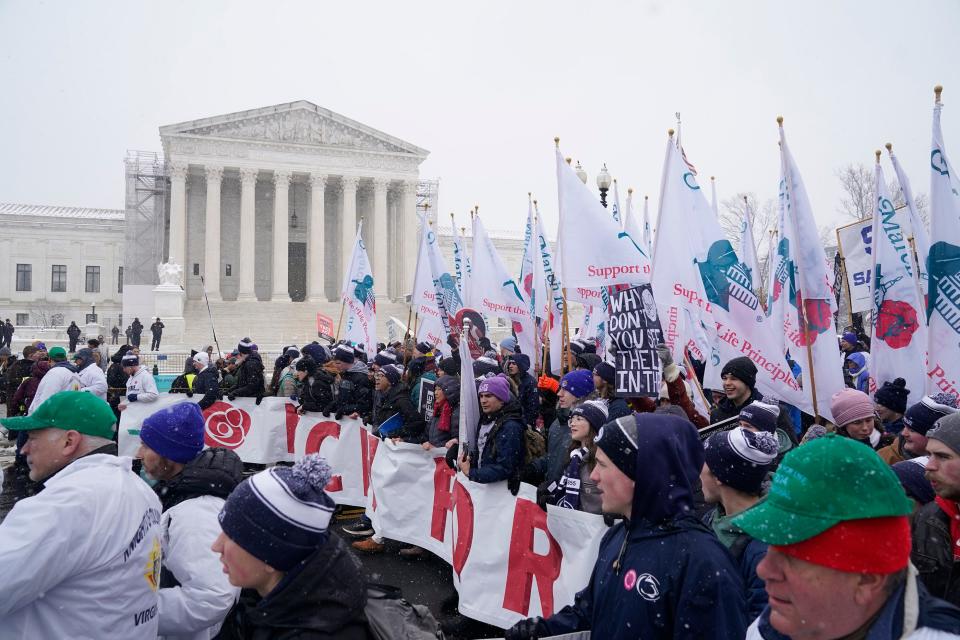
{"points": [[855, 243], [634, 328], [324, 327]]}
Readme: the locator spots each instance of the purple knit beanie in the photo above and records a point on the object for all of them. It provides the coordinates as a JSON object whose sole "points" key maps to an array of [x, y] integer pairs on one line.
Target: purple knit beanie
{"points": [[497, 386]]}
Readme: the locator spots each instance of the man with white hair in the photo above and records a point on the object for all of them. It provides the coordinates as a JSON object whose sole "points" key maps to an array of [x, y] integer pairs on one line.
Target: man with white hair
{"points": [[81, 559], [207, 382]]}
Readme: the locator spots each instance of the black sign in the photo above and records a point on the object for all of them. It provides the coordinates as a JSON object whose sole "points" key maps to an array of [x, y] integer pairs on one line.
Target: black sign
{"points": [[425, 401], [634, 329]]}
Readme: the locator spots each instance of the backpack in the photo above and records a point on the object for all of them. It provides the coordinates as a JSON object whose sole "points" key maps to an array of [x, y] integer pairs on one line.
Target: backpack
{"points": [[534, 444], [392, 618]]}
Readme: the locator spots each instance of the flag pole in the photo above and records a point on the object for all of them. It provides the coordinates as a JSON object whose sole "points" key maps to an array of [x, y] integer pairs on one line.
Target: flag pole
{"points": [[343, 304], [801, 315], [566, 333], [696, 381], [537, 343]]}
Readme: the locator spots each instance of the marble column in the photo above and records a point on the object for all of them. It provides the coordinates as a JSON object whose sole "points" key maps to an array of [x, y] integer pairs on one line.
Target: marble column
{"points": [[281, 252], [315, 248], [408, 211], [176, 252], [348, 221], [211, 234], [248, 187], [379, 234]]}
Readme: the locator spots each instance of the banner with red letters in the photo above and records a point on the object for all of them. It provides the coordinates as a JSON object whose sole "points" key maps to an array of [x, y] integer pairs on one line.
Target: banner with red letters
{"points": [[510, 559]]}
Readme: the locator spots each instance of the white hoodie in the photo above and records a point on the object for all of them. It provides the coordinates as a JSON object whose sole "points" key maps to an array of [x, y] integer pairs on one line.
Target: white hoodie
{"points": [[58, 378]]}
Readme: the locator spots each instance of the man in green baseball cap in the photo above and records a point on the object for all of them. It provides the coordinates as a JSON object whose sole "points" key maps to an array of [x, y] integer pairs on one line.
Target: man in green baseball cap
{"points": [[81, 559], [838, 565]]}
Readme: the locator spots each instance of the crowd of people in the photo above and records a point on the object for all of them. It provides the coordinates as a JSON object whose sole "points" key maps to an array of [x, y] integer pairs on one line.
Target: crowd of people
{"points": [[743, 520]]}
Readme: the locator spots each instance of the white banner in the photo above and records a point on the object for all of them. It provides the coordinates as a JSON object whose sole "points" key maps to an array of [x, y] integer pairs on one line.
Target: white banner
{"points": [[358, 296], [856, 246], [510, 559]]}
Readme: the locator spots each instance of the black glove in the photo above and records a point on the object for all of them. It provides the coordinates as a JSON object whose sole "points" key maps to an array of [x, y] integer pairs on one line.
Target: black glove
{"points": [[453, 454], [231, 397], [259, 400], [529, 629], [189, 394], [513, 483], [338, 415]]}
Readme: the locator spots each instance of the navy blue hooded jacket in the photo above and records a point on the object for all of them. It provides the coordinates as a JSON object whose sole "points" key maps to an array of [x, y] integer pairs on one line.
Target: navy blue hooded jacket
{"points": [[663, 574], [527, 391]]}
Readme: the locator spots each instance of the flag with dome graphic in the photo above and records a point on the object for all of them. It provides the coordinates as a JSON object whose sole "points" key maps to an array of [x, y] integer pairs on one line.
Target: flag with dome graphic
{"points": [[359, 300], [898, 348], [943, 266]]}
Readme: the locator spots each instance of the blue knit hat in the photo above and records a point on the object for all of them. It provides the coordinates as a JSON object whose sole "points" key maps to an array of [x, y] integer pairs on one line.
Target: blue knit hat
{"points": [[344, 353], [606, 371], [392, 372], [593, 411], [740, 458], [175, 432], [280, 516], [761, 415], [911, 475], [618, 439], [385, 357], [509, 343], [578, 382]]}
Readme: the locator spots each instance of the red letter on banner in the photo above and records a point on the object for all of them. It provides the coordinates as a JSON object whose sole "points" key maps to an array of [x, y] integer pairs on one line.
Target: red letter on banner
{"points": [[442, 497], [463, 504], [445, 501], [368, 450], [292, 419], [523, 564], [318, 433]]}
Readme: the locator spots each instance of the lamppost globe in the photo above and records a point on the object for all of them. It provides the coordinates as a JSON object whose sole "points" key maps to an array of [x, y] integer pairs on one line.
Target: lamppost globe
{"points": [[603, 183], [581, 173]]}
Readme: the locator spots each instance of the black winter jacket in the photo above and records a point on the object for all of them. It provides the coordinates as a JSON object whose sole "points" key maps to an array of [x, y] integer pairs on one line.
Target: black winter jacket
{"points": [[354, 395], [321, 599], [207, 385], [249, 378], [316, 392], [397, 400], [932, 553]]}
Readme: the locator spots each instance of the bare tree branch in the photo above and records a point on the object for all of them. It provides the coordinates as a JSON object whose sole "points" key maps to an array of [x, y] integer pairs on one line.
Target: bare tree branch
{"points": [[857, 182]]}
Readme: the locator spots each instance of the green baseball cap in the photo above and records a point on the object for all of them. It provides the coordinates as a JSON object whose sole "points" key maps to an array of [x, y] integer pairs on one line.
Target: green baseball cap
{"points": [[71, 411], [820, 484], [57, 353]]}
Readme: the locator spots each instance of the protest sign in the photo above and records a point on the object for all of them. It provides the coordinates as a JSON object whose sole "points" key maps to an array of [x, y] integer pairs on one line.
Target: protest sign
{"points": [[855, 243], [325, 330], [634, 329], [425, 401]]}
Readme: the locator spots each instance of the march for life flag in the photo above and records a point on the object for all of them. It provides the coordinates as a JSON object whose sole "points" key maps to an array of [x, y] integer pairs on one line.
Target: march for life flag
{"points": [[814, 292], [551, 326], [430, 326], [448, 297], [943, 293], [595, 251], [921, 240], [698, 277], [357, 294], [898, 348], [633, 227], [747, 247], [494, 290], [461, 262]]}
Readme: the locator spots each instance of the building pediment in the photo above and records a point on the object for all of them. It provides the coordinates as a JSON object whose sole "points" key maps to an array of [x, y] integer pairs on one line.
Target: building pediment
{"points": [[301, 123]]}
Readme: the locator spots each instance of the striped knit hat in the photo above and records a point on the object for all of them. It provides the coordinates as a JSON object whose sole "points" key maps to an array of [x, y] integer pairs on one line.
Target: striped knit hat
{"points": [[245, 346], [740, 458], [280, 516]]}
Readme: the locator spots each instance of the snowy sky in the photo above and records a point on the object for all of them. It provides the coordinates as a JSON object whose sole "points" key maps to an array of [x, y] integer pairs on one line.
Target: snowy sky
{"points": [[486, 87]]}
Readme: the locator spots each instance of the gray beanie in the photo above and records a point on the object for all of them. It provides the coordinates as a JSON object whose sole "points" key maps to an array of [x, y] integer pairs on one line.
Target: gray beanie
{"points": [[947, 431]]}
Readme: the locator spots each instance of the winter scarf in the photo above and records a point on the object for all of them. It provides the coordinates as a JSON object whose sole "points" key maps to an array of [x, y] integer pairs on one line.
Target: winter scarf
{"points": [[952, 509], [567, 493], [446, 414]]}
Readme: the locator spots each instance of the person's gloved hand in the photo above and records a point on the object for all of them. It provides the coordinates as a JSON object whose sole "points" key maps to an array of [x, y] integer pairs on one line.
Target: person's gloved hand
{"points": [[513, 484], [259, 400], [189, 393], [529, 629], [231, 397], [663, 351], [338, 415], [131, 397], [453, 454], [295, 399]]}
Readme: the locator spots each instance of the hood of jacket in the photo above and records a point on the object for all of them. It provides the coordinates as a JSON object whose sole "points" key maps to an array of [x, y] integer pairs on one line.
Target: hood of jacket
{"points": [[859, 361], [522, 360], [669, 460], [39, 368], [122, 351], [85, 356], [215, 472], [325, 593]]}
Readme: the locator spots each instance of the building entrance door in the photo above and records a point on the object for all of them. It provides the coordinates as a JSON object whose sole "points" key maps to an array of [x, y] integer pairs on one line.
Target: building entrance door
{"points": [[297, 271]]}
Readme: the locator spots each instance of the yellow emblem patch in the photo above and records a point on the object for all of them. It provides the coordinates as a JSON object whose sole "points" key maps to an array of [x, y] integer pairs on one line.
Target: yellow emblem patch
{"points": [[153, 566]]}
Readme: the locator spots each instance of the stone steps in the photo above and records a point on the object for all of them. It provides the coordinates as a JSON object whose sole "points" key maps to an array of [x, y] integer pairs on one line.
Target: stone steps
{"points": [[270, 324]]}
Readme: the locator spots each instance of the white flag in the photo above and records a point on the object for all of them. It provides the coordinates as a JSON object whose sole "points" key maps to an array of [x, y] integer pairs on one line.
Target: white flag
{"points": [[698, 278], [921, 239], [595, 251], [528, 262], [358, 296], [469, 402], [494, 290], [713, 197], [615, 205], [551, 327], [817, 339], [448, 298], [461, 261], [632, 225], [748, 250], [943, 294], [430, 326], [898, 348], [647, 230]]}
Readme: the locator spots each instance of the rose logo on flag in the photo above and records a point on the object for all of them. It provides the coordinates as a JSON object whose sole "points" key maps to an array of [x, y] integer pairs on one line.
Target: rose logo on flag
{"points": [[225, 426], [896, 323]]}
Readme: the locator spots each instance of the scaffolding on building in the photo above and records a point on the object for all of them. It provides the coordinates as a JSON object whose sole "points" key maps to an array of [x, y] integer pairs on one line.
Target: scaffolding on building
{"points": [[147, 190]]}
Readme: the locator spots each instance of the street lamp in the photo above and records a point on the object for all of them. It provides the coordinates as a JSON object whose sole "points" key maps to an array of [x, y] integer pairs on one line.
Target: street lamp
{"points": [[581, 173], [603, 183]]}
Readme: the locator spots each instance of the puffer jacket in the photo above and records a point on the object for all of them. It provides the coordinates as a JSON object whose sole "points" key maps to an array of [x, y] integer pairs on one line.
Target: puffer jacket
{"points": [[207, 385], [397, 400], [316, 392], [504, 449], [249, 378], [354, 392]]}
